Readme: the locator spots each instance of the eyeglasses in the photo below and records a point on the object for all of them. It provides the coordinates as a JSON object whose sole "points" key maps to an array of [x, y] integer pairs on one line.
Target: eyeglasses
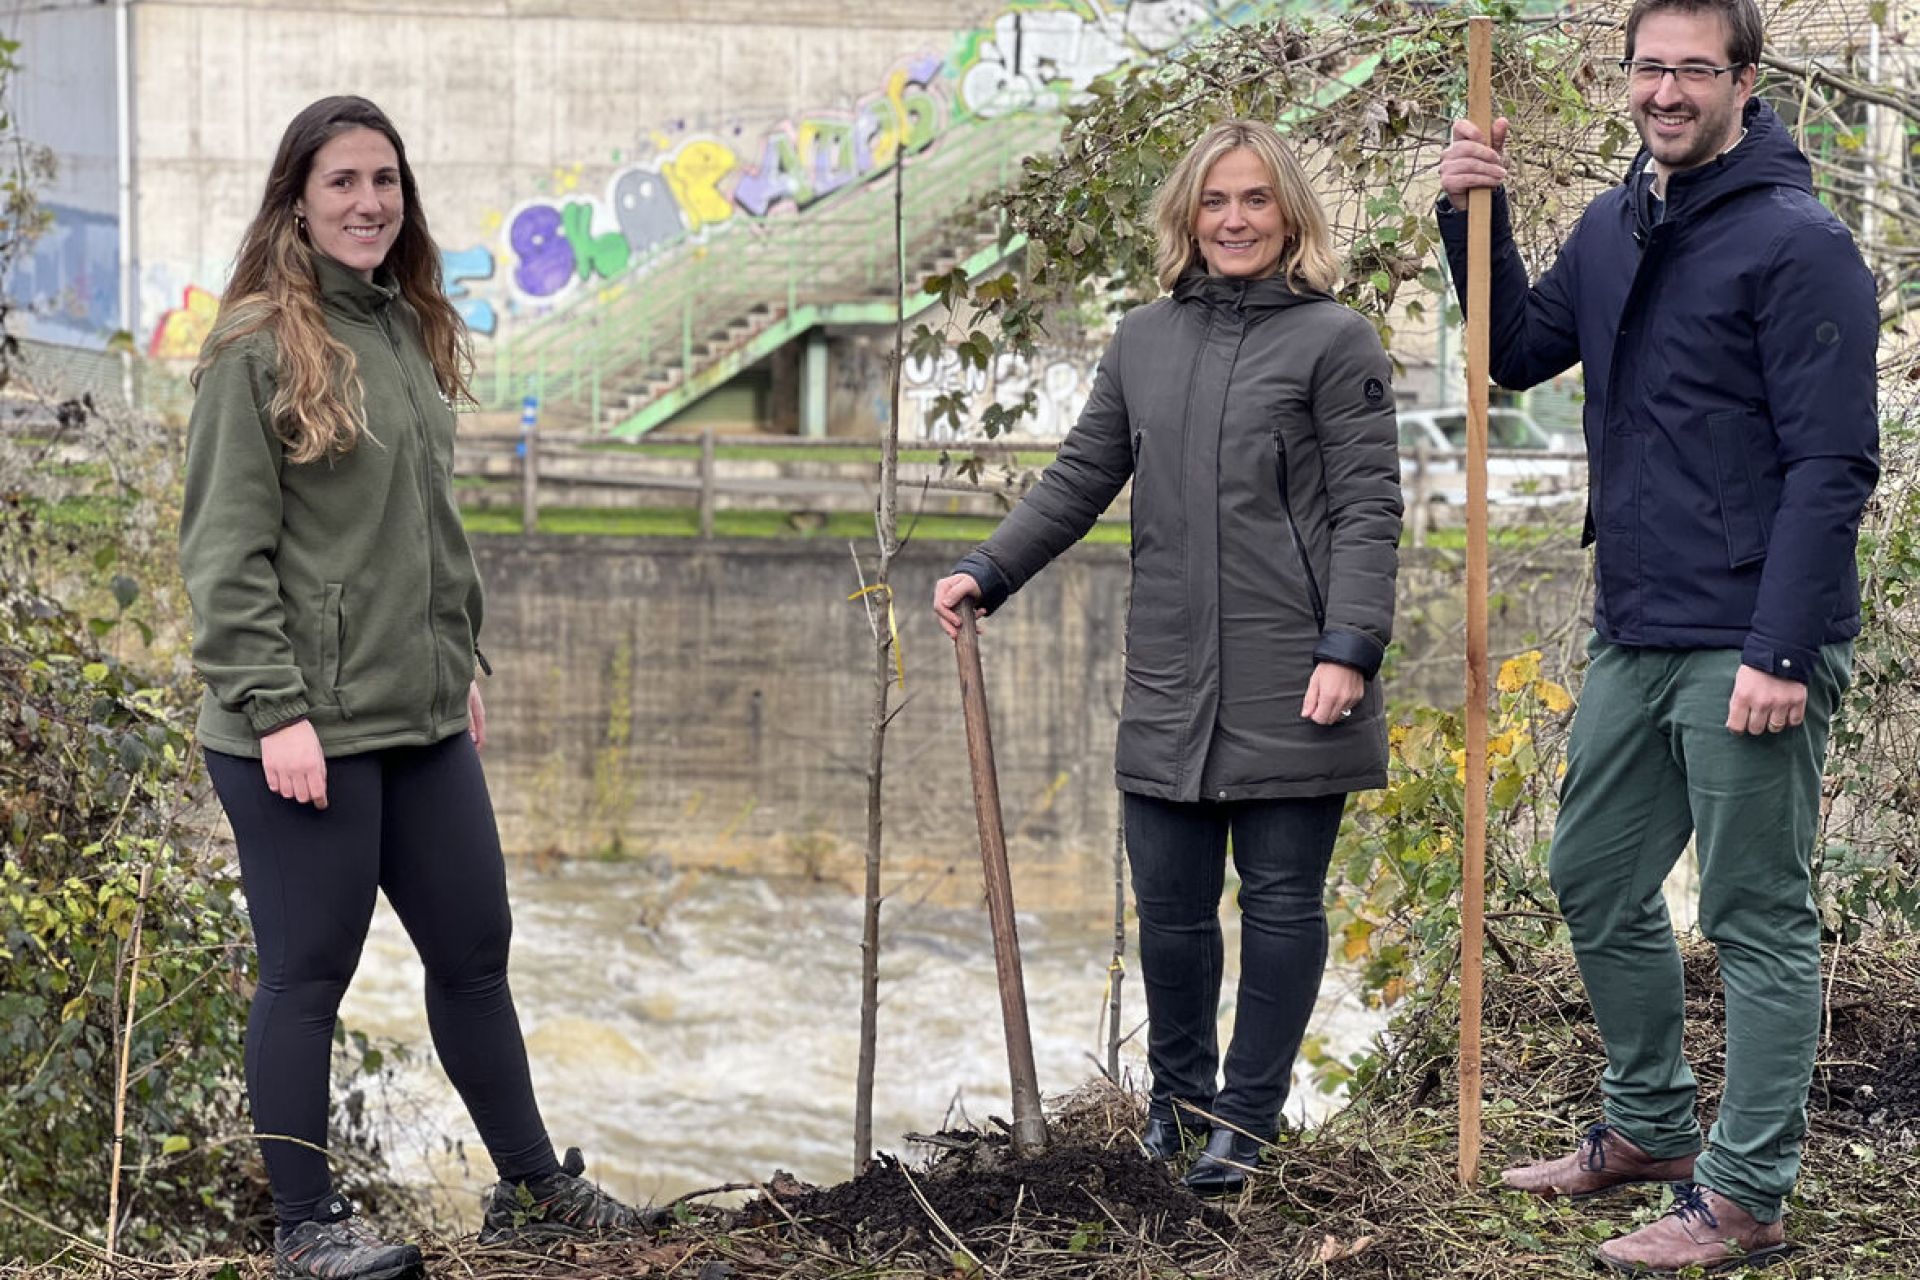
{"points": [[1693, 74]]}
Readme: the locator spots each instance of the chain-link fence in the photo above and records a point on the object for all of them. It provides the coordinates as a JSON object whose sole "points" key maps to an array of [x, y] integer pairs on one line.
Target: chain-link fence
{"points": [[109, 377]]}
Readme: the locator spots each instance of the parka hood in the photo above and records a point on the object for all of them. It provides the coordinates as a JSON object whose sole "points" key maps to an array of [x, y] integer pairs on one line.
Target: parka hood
{"points": [[1765, 157], [1267, 293]]}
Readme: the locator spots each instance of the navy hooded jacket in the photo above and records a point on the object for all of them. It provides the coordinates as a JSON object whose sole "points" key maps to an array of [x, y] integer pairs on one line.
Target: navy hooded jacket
{"points": [[1732, 435]]}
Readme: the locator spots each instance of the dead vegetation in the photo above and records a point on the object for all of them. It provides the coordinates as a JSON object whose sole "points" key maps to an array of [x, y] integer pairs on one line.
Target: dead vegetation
{"points": [[1371, 1193]]}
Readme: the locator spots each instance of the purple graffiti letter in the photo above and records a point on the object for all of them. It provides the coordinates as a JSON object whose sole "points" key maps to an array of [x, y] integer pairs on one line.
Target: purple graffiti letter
{"points": [[546, 259]]}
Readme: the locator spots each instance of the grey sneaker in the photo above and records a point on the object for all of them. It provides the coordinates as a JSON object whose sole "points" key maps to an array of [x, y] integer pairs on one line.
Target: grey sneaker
{"points": [[338, 1246], [564, 1206]]}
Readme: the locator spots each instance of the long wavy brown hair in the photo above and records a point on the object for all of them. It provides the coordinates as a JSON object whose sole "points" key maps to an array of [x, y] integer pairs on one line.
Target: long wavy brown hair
{"points": [[318, 405]]}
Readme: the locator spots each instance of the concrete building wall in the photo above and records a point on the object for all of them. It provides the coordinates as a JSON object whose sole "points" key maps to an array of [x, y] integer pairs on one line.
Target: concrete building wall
{"points": [[549, 135]]}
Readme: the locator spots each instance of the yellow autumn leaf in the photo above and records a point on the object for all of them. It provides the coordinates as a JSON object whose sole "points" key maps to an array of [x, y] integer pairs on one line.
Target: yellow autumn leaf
{"points": [[1359, 938], [1552, 696], [1519, 671], [1460, 764]]}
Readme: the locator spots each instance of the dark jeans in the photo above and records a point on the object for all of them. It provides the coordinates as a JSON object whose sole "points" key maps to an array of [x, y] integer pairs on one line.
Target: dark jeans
{"points": [[1178, 851], [416, 823]]}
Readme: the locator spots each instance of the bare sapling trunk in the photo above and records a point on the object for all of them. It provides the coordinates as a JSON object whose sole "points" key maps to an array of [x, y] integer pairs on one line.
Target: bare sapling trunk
{"points": [[886, 663]]}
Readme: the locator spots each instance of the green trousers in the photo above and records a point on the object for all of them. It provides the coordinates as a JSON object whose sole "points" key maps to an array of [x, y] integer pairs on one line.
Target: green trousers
{"points": [[1649, 763]]}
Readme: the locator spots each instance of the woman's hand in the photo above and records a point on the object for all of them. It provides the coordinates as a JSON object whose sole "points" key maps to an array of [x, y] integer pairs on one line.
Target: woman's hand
{"points": [[476, 717], [1333, 693], [947, 595], [291, 758]]}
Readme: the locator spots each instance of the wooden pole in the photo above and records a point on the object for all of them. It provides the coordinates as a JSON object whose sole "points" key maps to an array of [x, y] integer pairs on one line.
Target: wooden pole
{"points": [[707, 470], [1029, 1126], [1473, 870]]}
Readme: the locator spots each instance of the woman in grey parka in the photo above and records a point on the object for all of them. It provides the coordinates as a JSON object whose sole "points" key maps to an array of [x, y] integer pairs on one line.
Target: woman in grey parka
{"points": [[1255, 416]]}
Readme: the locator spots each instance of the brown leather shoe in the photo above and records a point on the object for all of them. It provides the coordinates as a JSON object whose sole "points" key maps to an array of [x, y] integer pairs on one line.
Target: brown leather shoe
{"points": [[1605, 1161], [1703, 1229]]}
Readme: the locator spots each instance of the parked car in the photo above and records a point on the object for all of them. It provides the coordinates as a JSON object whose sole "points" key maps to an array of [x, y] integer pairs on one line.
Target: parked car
{"points": [[1547, 480]]}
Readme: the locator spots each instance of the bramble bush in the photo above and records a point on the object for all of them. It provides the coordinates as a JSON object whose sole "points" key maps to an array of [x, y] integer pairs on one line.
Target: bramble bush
{"points": [[94, 776]]}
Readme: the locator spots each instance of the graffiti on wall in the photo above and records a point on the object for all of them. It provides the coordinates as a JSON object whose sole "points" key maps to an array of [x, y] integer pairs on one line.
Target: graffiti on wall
{"points": [[1060, 382], [182, 329], [558, 243], [825, 152], [544, 249], [1036, 57], [460, 268]]}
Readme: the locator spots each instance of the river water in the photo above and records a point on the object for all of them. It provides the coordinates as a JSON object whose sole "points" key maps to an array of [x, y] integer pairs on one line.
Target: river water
{"points": [[692, 1028]]}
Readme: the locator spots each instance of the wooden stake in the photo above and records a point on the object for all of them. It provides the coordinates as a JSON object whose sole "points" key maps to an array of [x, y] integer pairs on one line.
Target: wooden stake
{"points": [[1029, 1126], [1473, 869]]}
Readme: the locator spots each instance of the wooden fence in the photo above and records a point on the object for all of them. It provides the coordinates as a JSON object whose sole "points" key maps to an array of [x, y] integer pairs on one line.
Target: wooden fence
{"points": [[813, 473]]}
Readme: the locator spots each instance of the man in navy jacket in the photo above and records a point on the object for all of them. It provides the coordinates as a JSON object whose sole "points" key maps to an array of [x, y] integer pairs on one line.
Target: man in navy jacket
{"points": [[1727, 331]]}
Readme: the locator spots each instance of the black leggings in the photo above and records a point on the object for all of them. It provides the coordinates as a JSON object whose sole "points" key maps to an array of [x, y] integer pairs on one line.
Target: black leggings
{"points": [[1178, 852], [415, 822]]}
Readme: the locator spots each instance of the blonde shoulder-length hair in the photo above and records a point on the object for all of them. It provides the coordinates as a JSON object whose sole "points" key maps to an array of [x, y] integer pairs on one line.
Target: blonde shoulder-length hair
{"points": [[1307, 262]]}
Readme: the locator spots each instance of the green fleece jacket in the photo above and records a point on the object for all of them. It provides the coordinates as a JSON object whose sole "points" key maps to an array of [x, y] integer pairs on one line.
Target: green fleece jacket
{"points": [[341, 590]]}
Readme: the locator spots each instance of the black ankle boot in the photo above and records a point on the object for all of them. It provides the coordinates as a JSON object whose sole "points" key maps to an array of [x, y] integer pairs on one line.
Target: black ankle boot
{"points": [[1221, 1169], [1166, 1139]]}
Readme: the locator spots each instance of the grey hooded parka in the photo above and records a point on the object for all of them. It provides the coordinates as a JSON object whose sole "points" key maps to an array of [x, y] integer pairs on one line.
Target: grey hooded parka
{"points": [[1215, 400]]}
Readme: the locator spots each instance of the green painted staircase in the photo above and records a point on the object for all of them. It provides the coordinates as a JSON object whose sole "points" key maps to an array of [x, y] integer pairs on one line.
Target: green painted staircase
{"points": [[633, 352]]}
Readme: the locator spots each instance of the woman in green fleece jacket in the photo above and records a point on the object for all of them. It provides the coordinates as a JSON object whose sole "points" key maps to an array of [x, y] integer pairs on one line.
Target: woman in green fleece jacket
{"points": [[336, 612]]}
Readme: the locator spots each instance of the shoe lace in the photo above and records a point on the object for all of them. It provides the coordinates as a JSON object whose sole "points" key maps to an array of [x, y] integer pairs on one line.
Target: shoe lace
{"points": [[351, 1233], [1689, 1201], [1593, 1147]]}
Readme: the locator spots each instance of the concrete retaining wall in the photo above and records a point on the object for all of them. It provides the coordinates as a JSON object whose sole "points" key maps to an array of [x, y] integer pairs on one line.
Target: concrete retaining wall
{"points": [[709, 704]]}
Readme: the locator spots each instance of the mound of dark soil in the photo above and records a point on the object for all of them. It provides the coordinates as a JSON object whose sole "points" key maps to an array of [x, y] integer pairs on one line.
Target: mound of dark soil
{"points": [[1073, 1195], [1879, 1089]]}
